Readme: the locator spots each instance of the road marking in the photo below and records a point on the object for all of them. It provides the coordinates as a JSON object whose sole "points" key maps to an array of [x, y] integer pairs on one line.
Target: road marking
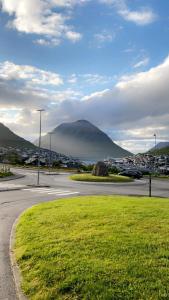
{"points": [[43, 190], [53, 192], [10, 185], [64, 193], [50, 191], [26, 173], [38, 190]]}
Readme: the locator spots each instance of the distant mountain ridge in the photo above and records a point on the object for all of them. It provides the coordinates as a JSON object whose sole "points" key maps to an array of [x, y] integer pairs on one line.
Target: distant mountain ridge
{"points": [[83, 140], [10, 139], [161, 145], [161, 148]]}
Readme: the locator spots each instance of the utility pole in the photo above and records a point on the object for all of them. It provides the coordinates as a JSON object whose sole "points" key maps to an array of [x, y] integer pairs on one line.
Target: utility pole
{"points": [[40, 131], [50, 147], [150, 181], [155, 147], [155, 141]]}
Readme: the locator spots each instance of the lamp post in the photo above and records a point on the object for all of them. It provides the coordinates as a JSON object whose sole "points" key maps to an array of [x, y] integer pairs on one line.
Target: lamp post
{"points": [[40, 131], [155, 140], [50, 148]]}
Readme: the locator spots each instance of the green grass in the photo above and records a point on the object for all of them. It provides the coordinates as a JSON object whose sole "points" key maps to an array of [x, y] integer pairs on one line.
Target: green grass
{"points": [[92, 178], [162, 177], [158, 176], [98, 247], [5, 174]]}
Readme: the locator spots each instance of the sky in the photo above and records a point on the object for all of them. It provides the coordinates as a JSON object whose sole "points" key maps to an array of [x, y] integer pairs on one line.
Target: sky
{"points": [[106, 61]]}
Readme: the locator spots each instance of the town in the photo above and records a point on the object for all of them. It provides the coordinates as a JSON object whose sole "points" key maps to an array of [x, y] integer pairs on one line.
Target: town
{"points": [[145, 163]]}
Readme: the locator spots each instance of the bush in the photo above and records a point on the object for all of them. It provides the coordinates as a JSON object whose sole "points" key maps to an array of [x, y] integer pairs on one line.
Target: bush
{"points": [[87, 168], [113, 170], [5, 172]]}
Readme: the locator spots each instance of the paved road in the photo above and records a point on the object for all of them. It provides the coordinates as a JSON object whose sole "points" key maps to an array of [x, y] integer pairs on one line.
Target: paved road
{"points": [[12, 203]]}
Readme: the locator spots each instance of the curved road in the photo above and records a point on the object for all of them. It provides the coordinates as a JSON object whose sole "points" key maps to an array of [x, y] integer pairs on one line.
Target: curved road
{"points": [[13, 203]]}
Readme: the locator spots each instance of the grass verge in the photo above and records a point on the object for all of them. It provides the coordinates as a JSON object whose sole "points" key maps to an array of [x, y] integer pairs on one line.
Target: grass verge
{"points": [[92, 178], [5, 174], [162, 177], [98, 247]]}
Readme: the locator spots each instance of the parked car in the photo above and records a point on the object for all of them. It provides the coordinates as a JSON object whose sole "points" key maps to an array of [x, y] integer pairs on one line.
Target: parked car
{"points": [[145, 171], [132, 173]]}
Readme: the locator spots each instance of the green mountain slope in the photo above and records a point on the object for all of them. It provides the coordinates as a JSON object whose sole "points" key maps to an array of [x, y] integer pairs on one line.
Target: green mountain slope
{"points": [[10, 139], [161, 151]]}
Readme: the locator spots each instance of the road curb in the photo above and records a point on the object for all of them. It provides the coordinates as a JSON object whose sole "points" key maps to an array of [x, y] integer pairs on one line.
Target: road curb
{"points": [[23, 187], [17, 277], [13, 177], [111, 183], [12, 189]]}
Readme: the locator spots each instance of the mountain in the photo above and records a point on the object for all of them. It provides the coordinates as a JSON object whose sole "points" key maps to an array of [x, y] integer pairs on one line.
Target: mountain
{"points": [[160, 146], [10, 139], [161, 151], [83, 140]]}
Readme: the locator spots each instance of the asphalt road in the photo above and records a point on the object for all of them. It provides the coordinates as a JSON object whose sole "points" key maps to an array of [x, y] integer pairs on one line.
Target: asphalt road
{"points": [[13, 203]]}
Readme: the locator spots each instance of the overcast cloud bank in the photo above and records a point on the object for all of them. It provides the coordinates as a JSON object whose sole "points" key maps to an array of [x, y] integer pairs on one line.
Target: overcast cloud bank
{"points": [[134, 108]]}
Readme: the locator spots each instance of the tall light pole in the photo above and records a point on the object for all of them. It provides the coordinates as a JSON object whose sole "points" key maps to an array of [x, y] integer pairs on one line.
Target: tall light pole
{"points": [[40, 131], [155, 140], [155, 147], [50, 148]]}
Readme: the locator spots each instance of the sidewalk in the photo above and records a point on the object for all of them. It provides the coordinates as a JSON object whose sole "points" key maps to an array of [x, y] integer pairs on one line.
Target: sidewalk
{"points": [[10, 186], [6, 185]]}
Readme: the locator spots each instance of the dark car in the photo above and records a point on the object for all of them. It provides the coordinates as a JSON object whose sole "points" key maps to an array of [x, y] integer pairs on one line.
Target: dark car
{"points": [[145, 171], [132, 173]]}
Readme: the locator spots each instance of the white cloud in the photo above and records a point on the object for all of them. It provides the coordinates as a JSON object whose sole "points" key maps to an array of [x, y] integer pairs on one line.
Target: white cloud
{"points": [[142, 63], [73, 36], [138, 146], [138, 105], [143, 16], [42, 17], [73, 79], [103, 37], [30, 74], [129, 50], [49, 20], [94, 79], [90, 79], [138, 99], [66, 95], [46, 42], [135, 108]]}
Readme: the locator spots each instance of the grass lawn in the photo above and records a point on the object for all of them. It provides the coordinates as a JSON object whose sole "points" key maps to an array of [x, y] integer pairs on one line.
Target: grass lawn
{"points": [[92, 178], [162, 177], [165, 177], [98, 247]]}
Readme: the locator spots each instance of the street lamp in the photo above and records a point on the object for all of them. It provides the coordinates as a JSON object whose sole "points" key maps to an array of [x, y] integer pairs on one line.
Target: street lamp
{"points": [[150, 174], [155, 140], [50, 148], [40, 130]]}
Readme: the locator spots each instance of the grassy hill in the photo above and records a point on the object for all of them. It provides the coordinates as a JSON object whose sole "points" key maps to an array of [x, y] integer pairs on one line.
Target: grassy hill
{"points": [[10, 139], [162, 151]]}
